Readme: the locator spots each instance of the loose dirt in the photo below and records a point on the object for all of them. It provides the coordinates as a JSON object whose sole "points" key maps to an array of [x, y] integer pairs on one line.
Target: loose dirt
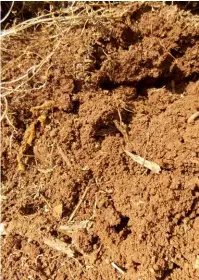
{"points": [[136, 70]]}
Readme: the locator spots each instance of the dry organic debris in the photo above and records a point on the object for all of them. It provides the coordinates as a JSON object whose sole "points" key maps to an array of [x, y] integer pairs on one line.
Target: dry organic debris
{"points": [[196, 264], [115, 61], [48, 104], [59, 245], [29, 134], [45, 171], [154, 167], [193, 117], [118, 268], [65, 158], [69, 229], [27, 141], [122, 130], [79, 203], [2, 229]]}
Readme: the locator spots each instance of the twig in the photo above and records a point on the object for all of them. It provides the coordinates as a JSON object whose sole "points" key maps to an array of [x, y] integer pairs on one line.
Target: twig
{"points": [[78, 205]]}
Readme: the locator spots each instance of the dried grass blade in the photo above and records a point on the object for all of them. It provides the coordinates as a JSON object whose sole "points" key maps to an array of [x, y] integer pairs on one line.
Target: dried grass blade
{"points": [[154, 167]]}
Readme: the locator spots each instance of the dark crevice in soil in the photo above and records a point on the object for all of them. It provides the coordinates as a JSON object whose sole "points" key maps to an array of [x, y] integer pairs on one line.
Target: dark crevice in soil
{"points": [[168, 272], [78, 84], [123, 224], [195, 191], [95, 240], [193, 206], [182, 45], [136, 265], [54, 233], [176, 76], [106, 84], [130, 37], [67, 239], [98, 55], [136, 15], [102, 130], [75, 109], [40, 270], [30, 208], [106, 127]]}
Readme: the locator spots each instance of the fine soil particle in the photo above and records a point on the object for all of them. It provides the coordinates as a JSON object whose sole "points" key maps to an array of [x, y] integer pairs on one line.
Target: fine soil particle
{"points": [[138, 70]]}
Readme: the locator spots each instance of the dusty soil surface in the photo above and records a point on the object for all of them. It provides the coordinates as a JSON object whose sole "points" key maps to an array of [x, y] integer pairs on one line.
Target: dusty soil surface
{"points": [[128, 82]]}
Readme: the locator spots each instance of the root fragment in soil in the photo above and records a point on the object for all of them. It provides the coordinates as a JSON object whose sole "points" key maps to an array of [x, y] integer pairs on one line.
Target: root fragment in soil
{"points": [[5, 113], [47, 105], [28, 139], [30, 131]]}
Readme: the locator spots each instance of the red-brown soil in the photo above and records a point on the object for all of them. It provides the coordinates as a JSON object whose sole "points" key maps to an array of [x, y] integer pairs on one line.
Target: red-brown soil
{"points": [[140, 70]]}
